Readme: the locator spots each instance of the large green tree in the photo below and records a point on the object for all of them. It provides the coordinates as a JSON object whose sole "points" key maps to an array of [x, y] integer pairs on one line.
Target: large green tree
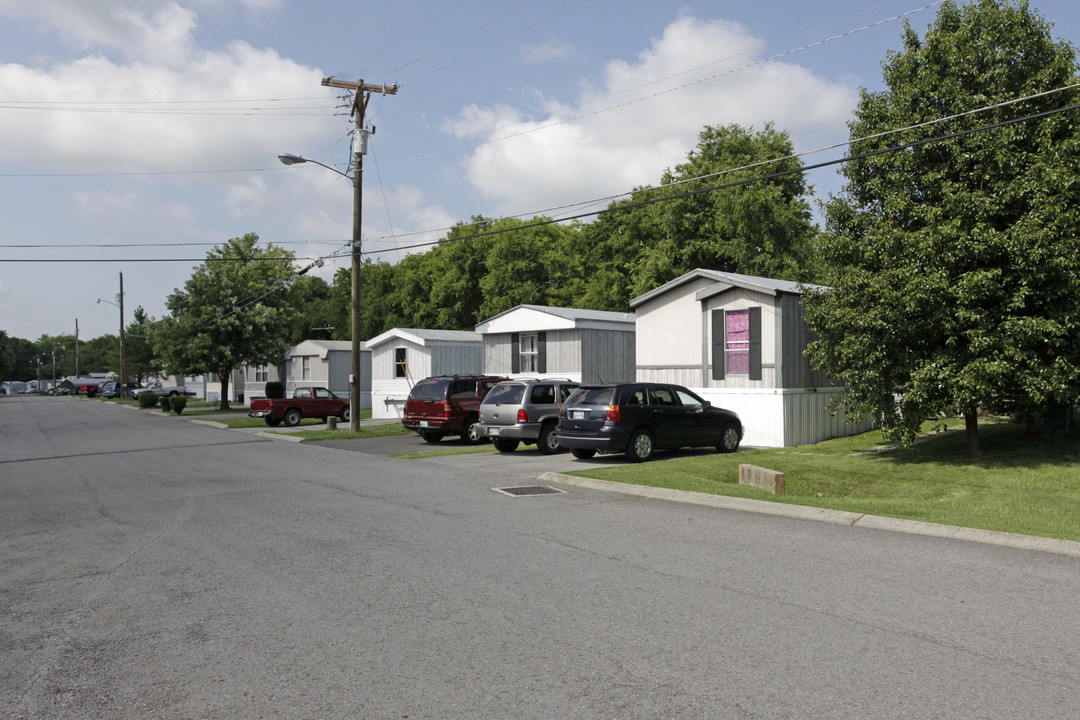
{"points": [[232, 311], [762, 227], [956, 263]]}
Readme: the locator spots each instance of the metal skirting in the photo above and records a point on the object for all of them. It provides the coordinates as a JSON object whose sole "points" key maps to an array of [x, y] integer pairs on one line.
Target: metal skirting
{"points": [[527, 490]]}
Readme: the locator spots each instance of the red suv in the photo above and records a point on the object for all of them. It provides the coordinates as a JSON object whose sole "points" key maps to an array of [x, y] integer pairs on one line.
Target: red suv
{"points": [[448, 405]]}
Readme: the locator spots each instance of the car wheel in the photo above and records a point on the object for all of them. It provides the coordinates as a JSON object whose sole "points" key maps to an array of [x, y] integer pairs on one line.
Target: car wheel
{"points": [[273, 422], [729, 439], [292, 417], [505, 445], [173, 394], [431, 437], [346, 413], [641, 447], [583, 453], [548, 442], [470, 434]]}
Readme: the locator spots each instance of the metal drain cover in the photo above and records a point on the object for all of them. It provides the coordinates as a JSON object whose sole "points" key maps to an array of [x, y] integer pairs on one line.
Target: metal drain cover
{"points": [[524, 490]]}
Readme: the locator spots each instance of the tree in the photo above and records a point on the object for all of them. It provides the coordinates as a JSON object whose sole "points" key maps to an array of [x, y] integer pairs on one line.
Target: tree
{"points": [[7, 356], [956, 282], [142, 363], [759, 228], [232, 311]]}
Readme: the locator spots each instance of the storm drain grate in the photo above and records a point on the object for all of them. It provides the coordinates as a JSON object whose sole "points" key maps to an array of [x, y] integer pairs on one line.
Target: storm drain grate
{"points": [[525, 490]]}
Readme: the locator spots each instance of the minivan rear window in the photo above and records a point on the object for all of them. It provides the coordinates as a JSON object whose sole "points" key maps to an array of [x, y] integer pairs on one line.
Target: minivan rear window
{"points": [[509, 394], [591, 396], [431, 390]]}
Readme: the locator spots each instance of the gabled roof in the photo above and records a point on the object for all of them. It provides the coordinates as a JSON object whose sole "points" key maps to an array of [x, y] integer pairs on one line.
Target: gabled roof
{"points": [[560, 317], [427, 337], [724, 281], [320, 347]]}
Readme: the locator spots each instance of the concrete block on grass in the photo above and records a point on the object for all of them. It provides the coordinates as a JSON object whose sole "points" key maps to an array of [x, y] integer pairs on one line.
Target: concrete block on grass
{"points": [[770, 481]]}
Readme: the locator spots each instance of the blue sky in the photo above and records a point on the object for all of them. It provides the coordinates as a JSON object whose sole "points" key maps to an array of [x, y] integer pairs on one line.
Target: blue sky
{"points": [[144, 132]]}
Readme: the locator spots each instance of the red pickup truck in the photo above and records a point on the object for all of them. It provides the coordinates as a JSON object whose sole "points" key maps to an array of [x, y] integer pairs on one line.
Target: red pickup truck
{"points": [[306, 402]]}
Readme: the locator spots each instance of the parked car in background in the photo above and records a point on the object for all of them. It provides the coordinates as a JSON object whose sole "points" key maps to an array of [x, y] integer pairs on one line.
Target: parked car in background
{"points": [[313, 402], [641, 418], [448, 405], [158, 388], [111, 389], [524, 411]]}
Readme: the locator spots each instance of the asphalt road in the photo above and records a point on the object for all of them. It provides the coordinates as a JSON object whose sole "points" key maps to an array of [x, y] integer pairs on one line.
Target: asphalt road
{"points": [[152, 567]]}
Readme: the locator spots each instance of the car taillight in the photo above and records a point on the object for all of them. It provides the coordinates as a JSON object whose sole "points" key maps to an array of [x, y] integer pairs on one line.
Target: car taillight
{"points": [[446, 410], [523, 417], [612, 414]]}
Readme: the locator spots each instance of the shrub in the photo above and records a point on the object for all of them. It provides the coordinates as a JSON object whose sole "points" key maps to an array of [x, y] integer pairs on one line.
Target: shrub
{"points": [[275, 389], [178, 404], [147, 399], [166, 403]]}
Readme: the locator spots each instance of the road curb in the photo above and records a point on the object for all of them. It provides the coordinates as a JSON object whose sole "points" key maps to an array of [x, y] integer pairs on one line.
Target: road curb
{"points": [[279, 436], [838, 517]]}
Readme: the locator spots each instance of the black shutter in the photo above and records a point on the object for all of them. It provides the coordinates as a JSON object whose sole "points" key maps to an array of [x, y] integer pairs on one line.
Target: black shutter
{"points": [[755, 343], [719, 337], [541, 352], [515, 353]]}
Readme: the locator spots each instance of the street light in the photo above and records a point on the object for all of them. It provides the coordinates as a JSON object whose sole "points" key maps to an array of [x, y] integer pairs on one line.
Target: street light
{"points": [[357, 180]]}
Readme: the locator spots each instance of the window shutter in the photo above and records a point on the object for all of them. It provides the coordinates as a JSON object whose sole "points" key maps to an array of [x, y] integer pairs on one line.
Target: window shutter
{"points": [[755, 343], [515, 353], [719, 336], [541, 352]]}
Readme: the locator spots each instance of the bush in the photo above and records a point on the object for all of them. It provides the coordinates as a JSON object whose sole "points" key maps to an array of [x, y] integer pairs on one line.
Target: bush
{"points": [[275, 390], [178, 404], [147, 399], [166, 403]]}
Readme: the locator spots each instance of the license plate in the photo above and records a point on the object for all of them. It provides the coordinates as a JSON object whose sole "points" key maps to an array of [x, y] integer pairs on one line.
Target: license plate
{"points": [[493, 432], [578, 414], [424, 424]]}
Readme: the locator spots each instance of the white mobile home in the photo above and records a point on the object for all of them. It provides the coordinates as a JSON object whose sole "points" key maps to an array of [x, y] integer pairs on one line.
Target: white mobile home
{"points": [[739, 342], [401, 356], [326, 363], [587, 346]]}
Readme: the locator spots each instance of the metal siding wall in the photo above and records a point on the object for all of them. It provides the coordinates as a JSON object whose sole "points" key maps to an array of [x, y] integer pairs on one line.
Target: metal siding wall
{"points": [[776, 418], [496, 358], [669, 328], [564, 353], [456, 359]]}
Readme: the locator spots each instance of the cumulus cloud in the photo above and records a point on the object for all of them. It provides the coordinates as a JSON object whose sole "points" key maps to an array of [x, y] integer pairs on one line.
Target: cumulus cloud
{"points": [[534, 54], [643, 116]]}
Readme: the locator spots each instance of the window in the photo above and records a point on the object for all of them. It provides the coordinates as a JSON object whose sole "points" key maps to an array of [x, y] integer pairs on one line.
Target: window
{"points": [[542, 394], [400, 363], [303, 393], [323, 393], [305, 368], [737, 342], [529, 354], [262, 373]]}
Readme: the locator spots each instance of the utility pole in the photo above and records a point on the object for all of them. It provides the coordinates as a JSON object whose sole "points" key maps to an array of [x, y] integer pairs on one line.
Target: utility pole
{"points": [[361, 94], [123, 354]]}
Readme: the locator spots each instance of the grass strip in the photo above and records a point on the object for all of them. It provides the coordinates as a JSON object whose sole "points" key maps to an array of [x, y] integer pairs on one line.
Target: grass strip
{"points": [[1028, 484]]}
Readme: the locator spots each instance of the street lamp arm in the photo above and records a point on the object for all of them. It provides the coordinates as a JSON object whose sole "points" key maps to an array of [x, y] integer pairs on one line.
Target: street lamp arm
{"points": [[290, 159]]}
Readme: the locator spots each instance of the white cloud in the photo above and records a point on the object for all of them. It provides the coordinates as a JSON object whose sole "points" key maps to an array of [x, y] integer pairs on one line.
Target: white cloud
{"points": [[599, 152]]}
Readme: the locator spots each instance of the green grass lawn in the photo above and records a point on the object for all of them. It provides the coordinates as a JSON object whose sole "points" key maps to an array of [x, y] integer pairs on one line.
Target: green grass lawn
{"points": [[1024, 484]]}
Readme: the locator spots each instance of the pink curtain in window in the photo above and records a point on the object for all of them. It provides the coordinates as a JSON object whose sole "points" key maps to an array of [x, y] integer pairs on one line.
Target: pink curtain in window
{"points": [[738, 342]]}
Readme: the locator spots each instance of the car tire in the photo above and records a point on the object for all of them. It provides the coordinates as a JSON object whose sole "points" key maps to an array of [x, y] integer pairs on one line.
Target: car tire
{"points": [[470, 434], [431, 437], [548, 442], [641, 446], [505, 445], [346, 413], [292, 417], [583, 453], [273, 422], [729, 439]]}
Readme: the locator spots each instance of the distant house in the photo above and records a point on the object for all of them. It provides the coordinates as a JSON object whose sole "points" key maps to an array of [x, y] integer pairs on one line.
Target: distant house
{"points": [[589, 346], [401, 356], [326, 363], [739, 341]]}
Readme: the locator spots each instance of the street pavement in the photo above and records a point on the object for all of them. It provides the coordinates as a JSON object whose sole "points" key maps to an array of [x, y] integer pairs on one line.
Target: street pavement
{"points": [[152, 567]]}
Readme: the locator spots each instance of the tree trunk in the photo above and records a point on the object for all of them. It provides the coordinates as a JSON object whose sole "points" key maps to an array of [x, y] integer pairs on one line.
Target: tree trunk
{"points": [[225, 390], [971, 426]]}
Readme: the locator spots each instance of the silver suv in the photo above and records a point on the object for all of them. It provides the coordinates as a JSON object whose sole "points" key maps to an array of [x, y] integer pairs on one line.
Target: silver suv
{"points": [[526, 411]]}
